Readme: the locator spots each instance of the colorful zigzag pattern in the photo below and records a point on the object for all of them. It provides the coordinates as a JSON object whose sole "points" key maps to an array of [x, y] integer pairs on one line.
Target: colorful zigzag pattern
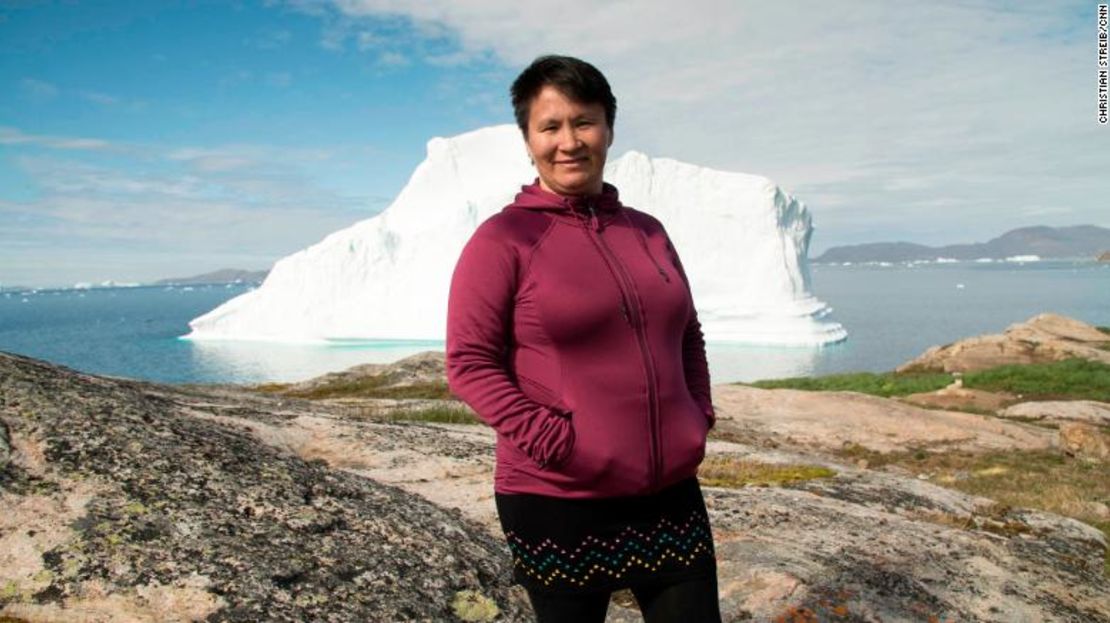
{"points": [[666, 544]]}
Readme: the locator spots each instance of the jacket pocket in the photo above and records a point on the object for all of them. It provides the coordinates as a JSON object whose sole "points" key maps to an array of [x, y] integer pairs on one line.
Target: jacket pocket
{"points": [[684, 439], [543, 395]]}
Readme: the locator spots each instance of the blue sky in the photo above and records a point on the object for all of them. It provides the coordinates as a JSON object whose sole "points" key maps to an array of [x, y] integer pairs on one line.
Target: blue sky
{"points": [[141, 140]]}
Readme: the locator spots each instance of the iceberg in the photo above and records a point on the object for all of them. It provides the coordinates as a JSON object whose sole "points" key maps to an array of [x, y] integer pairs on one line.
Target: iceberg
{"points": [[742, 239]]}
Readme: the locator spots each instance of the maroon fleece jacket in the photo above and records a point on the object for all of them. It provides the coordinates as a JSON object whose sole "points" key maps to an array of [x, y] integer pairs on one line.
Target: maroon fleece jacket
{"points": [[572, 333]]}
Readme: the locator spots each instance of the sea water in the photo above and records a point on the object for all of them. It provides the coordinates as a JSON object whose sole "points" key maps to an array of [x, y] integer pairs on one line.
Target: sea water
{"points": [[892, 314]]}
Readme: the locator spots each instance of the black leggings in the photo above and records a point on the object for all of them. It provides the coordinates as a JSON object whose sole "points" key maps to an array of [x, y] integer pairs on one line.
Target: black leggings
{"points": [[686, 601]]}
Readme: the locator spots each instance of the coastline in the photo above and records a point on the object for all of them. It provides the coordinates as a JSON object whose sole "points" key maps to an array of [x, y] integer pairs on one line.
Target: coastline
{"points": [[293, 500]]}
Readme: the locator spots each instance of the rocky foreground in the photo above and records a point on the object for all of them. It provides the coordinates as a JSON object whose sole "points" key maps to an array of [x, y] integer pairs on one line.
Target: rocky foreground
{"points": [[130, 501], [1043, 338]]}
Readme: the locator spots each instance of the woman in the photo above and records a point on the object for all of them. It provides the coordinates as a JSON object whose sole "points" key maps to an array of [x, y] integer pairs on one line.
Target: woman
{"points": [[571, 331]]}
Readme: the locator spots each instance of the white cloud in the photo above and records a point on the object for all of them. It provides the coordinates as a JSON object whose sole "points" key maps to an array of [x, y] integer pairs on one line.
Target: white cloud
{"points": [[239, 156], [114, 101], [264, 209], [884, 106], [38, 89], [235, 201], [392, 59], [368, 40], [100, 98], [14, 136]]}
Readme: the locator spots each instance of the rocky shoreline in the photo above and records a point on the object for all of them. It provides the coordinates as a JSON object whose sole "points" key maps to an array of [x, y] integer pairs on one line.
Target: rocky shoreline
{"points": [[134, 501]]}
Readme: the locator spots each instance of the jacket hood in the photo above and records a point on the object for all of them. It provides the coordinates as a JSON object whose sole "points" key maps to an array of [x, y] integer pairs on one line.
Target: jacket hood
{"points": [[534, 197], [605, 206]]}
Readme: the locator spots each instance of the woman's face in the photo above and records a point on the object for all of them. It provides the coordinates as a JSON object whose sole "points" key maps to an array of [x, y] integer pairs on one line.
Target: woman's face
{"points": [[568, 141]]}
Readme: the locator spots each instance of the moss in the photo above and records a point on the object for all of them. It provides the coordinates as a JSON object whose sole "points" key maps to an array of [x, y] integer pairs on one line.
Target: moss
{"points": [[885, 384], [310, 599], [911, 457], [728, 471], [447, 414], [364, 387], [473, 606], [9, 591], [993, 520], [72, 566], [1075, 379], [135, 508], [43, 487]]}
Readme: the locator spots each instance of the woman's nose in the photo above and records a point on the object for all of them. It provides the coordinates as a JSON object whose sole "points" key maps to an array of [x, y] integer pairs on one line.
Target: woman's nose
{"points": [[568, 139]]}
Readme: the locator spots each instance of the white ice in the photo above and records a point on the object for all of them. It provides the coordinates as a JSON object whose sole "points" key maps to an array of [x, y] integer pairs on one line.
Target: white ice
{"points": [[742, 239]]}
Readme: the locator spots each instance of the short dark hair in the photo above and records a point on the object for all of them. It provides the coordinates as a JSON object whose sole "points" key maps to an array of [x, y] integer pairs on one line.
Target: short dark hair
{"points": [[574, 78]]}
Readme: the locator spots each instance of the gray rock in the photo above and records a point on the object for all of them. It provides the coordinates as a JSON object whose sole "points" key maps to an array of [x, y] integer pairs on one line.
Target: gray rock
{"points": [[1090, 411], [5, 446], [1084, 440], [219, 504], [1041, 339], [154, 506]]}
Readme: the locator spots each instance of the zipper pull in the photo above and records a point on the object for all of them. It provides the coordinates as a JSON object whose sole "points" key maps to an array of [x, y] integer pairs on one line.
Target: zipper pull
{"points": [[624, 312], [663, 273], [593, 217]]}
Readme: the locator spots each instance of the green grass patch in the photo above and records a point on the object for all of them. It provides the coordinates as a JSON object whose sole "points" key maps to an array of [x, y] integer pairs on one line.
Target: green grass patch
{"points": [[365, 387], [445, 414], [730, 471], [1073, 379], [884, 384]]}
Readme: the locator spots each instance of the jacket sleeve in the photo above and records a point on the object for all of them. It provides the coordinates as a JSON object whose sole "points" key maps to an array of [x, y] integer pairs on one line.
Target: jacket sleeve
{"points": [[479, 313], [694, 362]]}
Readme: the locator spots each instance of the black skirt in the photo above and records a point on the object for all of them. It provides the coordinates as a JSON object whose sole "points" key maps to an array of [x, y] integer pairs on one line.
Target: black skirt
{"points": [[570, 545]]}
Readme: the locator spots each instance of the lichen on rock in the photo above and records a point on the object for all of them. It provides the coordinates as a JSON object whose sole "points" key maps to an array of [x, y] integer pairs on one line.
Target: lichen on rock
{"points": [[128, 506]]}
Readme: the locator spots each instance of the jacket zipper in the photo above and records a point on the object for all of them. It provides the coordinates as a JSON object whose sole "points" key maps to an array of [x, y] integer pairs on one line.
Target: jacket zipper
{"points": [[624, 282]]}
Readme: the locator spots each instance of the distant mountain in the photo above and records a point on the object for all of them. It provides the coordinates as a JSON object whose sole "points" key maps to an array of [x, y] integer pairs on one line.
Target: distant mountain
{"points": [[1045, 242], [225, 275]]}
